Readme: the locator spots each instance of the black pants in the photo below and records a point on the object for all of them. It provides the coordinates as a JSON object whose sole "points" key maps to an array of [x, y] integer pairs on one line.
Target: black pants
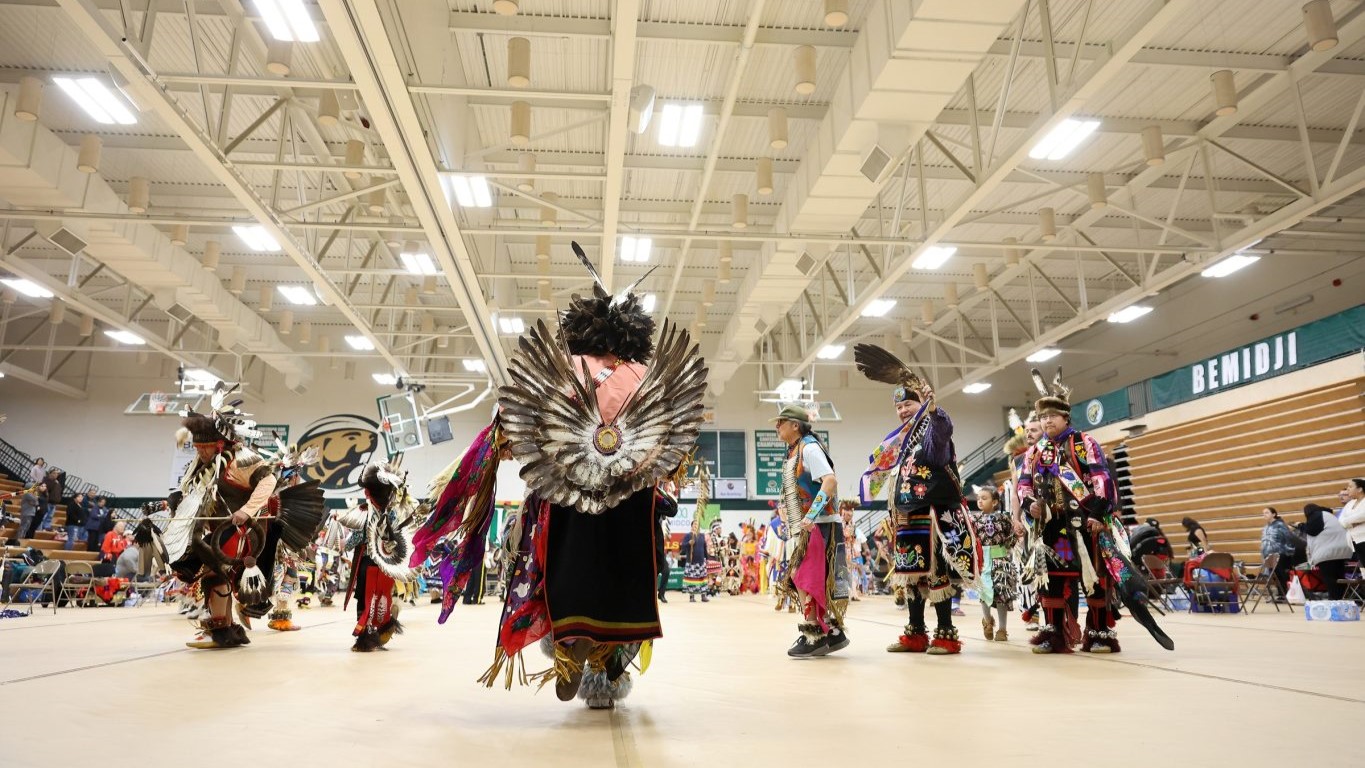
{"points": [[662, 566], [943, 611], [1360, 555], [1332, 572], [92, 540], [1282, 570]]}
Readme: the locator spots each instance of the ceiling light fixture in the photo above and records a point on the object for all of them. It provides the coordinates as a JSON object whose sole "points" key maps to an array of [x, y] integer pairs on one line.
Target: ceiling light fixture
{"points": [[636, 249], [256, 238], [934, 257], [360, 343], [977, 388], [879, 307], [27, 287], [789, 389], [680, 125], [417, 262], [649, 302], [384, 379], [830, 351], [472, 191], [1129, 314], [1043, 355], [1061, 140], [512, 326], [475, 365], [1227, 266], [97, 99], [287, 20], [298, 295], [125, 337]]}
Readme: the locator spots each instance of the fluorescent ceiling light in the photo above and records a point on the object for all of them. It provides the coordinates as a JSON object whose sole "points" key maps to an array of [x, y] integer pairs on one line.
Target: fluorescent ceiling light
{"points": [[256, 238], [879, 308], [1129, 314], [934, 257], [472, 191], [648, 302], [680, 125], [635, 248], [297, 294], [125, 337], [511, 325], [830, 351], [200, 376], [418, 263], [474, 365], [1229, 265], [97, 100], [789, 389], [1060, 141], [287, 20], [1043, 355], [27, 287], [360, 343], [977, 388], [387, 379]]}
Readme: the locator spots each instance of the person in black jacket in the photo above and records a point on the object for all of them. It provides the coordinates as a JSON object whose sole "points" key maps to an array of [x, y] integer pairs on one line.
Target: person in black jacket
{"points": [[75, 520], [98, 522], [665, 506], [55, 480]]}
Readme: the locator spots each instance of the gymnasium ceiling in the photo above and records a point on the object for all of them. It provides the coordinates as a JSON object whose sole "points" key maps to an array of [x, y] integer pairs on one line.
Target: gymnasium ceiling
{"points": [[349, 150]]}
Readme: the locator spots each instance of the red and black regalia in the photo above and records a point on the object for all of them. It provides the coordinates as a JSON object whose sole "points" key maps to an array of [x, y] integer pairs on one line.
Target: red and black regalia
{"points": [[382, 541], [1076, 540], [598, 414]]}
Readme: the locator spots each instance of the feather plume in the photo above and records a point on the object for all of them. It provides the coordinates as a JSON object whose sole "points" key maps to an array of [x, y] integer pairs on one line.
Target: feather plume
{"points": [[1039, 382], [1058, 388], [599, 288], [620, 298], [878, 364], [1016, 424]]}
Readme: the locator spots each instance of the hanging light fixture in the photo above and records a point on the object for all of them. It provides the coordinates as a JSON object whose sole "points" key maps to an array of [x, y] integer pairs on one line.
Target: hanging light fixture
{"points": [[286, 322], [950, 295], [708, 292], [519, 62], [505, 7], [723, 273], [926, 313], [803, 59], [543, 270], [238, 281], [267, 299], [763, 175], [1224, 92], [1320, 26], [549, 216], [777, 128], [1047, 224], [521, 123], [57, 314], [739, 208], [30, 101], [1012, 255], [981, 276], [180, 234], [544, 293], [305, 333], [1099, 196], [277, 55], [212, 250], [88, 159], [355, 157], [726, 253], [1153, 146], [543, 247], [329, 109], [139, 194], [526, 163], [374, 201], [87, 326], [429, 285], [836, 13]]}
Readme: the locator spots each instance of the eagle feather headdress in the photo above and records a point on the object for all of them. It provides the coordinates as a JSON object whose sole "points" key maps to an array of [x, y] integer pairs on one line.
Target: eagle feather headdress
{"points": [[1053, 399]]}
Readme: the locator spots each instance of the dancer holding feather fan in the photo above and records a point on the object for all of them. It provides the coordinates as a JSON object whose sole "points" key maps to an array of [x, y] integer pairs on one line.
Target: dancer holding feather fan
{"points": [[936, 543]]}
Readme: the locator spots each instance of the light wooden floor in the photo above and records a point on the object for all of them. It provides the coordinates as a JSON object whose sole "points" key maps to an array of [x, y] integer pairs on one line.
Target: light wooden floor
{"points": [[116, 687]]}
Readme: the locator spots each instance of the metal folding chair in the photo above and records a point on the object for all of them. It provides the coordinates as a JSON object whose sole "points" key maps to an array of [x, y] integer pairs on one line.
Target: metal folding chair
{"points": [[40, 581], [79, 583], [1257, 586], [1212, 562], [1160, 587]]}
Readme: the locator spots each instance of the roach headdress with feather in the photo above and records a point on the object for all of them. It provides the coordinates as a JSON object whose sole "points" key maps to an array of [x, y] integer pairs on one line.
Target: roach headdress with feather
{"points": [[602, 324], [226, 423], [879, 365], [1054, 399]]}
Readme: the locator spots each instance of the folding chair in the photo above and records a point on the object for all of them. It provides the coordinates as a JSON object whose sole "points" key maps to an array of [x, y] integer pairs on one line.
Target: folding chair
{"points": [[1353, 582], [79, 583], [1212, 563], [1160, 586], [40, 581], [1258, 586]]}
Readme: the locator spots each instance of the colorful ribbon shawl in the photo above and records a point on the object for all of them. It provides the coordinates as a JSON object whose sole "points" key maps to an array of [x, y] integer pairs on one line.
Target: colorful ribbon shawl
{"points": [[885, 458]]}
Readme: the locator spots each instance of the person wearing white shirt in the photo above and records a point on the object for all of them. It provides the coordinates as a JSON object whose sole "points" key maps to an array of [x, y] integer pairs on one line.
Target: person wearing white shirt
{"points": [[1353, 516]]}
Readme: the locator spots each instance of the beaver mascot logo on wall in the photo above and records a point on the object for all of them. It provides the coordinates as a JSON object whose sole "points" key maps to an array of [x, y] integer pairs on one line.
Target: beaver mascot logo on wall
{"points": [[345, 443]]}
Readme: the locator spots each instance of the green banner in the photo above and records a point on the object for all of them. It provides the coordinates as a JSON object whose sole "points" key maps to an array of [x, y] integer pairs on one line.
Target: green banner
{"points": [[1306, 345], [769, 453], [1105, 409]]}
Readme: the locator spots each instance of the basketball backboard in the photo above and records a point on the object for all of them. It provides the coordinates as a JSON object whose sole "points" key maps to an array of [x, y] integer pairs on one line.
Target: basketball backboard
{"points": [[163, 403]]}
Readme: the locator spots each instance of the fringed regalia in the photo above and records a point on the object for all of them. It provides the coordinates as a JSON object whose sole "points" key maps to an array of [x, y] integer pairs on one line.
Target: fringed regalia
{"points": [[1064, 485], [596, 431], [817, 577], [383, 526], [221, 560], [936, 548]]}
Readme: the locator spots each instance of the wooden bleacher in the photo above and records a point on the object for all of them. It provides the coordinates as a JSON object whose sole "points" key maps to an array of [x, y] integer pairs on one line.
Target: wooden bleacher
{"points": [[44, 540], [1223, 470]]}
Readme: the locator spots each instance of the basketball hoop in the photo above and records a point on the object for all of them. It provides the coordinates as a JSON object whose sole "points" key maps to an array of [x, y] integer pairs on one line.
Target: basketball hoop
{"points": [[158, 402]]}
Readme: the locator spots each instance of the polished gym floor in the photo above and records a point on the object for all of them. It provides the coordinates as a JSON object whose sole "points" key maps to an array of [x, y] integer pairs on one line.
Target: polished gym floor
{"points": [[117, 686]]}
